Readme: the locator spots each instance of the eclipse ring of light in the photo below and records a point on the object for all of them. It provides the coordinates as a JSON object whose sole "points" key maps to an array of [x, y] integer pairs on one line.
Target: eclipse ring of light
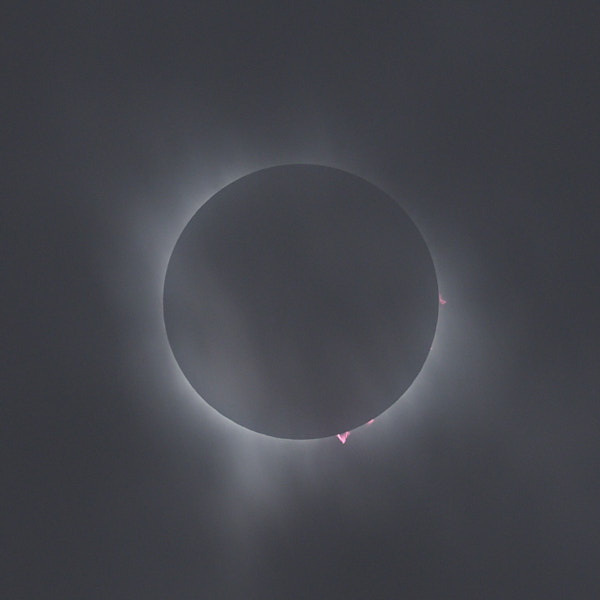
{"points": [[300, 301]]}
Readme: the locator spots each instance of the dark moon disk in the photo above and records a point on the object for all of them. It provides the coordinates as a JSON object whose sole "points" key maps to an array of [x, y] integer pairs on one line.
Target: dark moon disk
{"points": [[300, 301]]}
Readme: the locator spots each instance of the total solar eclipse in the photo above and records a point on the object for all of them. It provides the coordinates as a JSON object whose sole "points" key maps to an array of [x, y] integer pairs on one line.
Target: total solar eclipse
{"points": [[300, 301]]}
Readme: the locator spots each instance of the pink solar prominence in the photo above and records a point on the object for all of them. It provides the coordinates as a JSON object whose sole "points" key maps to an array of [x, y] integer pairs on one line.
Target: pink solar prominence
{"points": [[344, 436], [442, 301]]}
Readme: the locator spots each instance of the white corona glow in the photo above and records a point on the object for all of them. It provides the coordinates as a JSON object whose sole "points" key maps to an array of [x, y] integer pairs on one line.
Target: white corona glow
{"points": [[258, 471]]}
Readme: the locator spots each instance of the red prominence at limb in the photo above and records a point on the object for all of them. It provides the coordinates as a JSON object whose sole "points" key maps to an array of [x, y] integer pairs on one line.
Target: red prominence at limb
{"points": [[343, 436]]}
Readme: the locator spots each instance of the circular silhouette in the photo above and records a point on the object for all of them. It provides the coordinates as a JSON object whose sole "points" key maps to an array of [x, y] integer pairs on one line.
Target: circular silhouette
{"points": [[300, 301]]}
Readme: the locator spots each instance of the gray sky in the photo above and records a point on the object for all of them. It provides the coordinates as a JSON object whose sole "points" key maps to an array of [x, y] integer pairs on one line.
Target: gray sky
{"points": [[121, 121]]}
